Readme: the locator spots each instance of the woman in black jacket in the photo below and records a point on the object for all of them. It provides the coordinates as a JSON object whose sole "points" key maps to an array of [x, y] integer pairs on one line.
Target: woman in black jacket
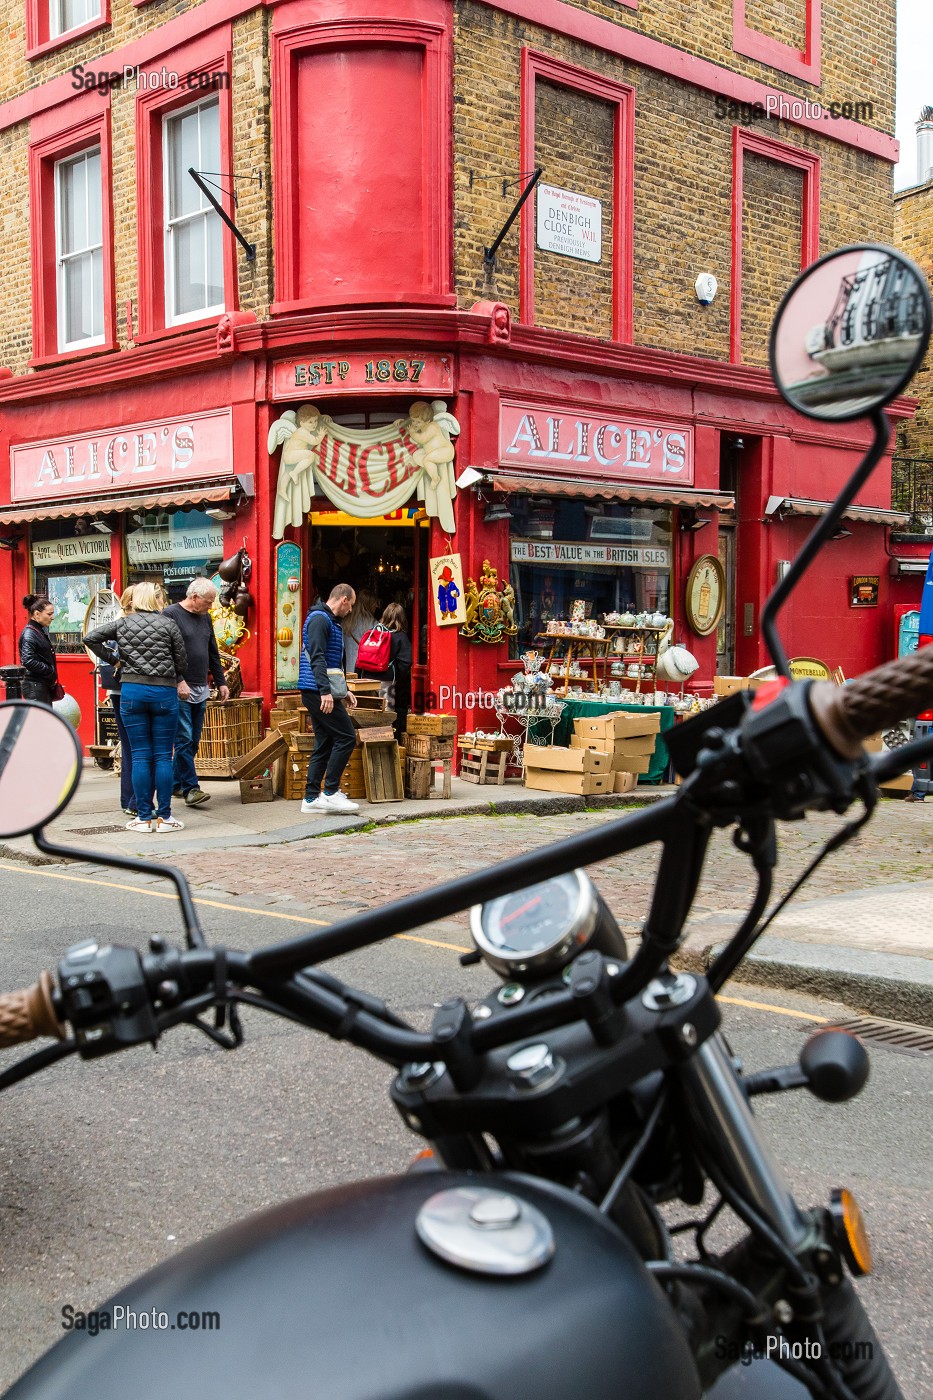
{"points": [[36, 652], [152, 663]]}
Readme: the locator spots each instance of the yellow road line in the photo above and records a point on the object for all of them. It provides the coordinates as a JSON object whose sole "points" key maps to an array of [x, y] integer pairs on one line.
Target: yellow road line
{"points": [[208, 903], [322, 923]]}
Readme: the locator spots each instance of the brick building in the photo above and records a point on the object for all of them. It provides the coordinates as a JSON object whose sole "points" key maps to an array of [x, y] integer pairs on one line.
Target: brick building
{"points": [[630, 427]]}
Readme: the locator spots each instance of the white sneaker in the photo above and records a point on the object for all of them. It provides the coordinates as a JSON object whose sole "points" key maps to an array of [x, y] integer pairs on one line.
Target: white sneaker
{"points": [[319, 804], [340, 802]]}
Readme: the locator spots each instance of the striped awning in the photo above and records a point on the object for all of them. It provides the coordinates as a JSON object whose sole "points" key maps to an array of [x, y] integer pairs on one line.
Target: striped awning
{"points": [[780, 506], [104, 505], [581, 488]]}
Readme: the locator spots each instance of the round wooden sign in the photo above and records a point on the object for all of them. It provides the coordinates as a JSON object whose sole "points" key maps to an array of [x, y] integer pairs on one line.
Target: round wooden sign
{"points": [[705, 594]]}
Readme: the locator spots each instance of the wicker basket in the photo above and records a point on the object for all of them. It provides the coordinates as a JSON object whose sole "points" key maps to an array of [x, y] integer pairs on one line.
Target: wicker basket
{"points": [[230, 731]]}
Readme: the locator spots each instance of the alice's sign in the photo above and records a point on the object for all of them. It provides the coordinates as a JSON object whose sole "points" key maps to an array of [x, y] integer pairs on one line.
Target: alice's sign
{"points": [[622, 449], [372, 372], [80, 549], [556, 552], [200, 543], [166, 452], [570, 224]]}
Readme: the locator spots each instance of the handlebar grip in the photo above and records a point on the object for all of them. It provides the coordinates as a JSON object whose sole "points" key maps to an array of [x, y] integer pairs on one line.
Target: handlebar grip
{"points": [[29, 1013], [848, 714]]}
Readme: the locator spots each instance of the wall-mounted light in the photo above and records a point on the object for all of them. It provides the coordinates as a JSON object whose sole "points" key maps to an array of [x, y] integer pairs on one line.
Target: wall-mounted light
{"points": [[783, 569], [468, 477], [841, 534], [689, 520], [218, 513], [101, 527], [10, 541], [496, 510]]}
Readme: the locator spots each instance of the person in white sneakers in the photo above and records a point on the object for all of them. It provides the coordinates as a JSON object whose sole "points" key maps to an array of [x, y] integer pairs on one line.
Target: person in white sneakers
{"points": [[323, 686]]}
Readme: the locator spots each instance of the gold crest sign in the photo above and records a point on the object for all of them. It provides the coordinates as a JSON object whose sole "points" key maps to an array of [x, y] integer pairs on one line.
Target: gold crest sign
{"points": [[447, 588], [490, 608]]}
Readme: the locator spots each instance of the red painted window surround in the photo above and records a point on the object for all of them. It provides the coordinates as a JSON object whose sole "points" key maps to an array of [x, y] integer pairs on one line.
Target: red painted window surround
{"points": [[39, 39], [81, 125], [746, 141], [622, 97], [293, 266], [210, 54], [753, 44]]}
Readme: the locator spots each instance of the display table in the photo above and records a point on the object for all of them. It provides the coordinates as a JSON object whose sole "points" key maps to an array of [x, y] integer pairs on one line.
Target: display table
{"points": [[595, 709]]}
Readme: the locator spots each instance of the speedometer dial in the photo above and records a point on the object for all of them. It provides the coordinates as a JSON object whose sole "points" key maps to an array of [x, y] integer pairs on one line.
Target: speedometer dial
{"points": [[536, 930]]}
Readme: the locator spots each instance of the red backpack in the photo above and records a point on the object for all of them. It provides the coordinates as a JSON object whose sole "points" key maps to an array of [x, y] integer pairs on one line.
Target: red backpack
{"points": [[375, 648]]}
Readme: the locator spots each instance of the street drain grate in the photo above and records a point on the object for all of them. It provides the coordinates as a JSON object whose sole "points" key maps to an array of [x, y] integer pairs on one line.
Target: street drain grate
{"points": [[93, 830], [890, 1035]]}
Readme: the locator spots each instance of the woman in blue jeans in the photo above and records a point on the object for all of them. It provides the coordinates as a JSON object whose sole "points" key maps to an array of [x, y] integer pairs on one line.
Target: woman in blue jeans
{"points": [[153, 661]]}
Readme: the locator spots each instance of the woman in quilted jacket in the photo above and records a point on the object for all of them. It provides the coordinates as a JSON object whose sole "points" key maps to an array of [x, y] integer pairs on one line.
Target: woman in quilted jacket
{"points": [[153, 662]]}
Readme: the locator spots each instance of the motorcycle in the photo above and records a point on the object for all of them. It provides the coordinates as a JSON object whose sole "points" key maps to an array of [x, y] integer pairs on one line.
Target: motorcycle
{"points": [[529, 1257]]}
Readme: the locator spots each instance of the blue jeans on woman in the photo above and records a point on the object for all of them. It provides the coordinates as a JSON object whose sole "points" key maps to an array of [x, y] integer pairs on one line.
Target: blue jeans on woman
{"points": [[150, 715], [127, 797]]}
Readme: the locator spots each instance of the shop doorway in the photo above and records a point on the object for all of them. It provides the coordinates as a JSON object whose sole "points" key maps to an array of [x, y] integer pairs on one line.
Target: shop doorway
{"points": [[386, 561]]}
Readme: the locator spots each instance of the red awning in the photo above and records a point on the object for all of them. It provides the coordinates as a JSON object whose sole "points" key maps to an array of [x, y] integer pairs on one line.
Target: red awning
{"points": [[780, 506], [104, 505], [609, 491]]}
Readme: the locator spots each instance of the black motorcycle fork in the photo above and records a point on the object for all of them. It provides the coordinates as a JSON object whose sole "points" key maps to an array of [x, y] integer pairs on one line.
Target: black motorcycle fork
{"points": [[714, 1093]]}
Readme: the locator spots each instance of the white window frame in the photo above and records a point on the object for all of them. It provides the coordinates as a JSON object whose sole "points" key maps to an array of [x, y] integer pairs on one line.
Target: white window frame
{"points": [[75, 254], [57, 17], [203, 214]]}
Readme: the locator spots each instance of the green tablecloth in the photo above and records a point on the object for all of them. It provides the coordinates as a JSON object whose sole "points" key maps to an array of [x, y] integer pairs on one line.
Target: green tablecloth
{"points": [[595, 709]]}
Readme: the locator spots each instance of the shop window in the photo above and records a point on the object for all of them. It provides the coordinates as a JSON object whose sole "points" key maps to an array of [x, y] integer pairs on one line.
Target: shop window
{"points": [[187, 258], [610, 556], [72, 239], [570, 97], [65, 15], [79, 250], [171, 548], [52, 23], [371, 224], [70, 563], [194, 272]]}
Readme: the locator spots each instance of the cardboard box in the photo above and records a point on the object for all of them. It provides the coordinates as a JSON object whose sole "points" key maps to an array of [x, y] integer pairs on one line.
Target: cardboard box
{"points": [[561, 760], [624, 782], [290, 701], [619, 724], [631, 763], [443, 726], [728, 685], [902, 784], [583, 784], [640, 744]]}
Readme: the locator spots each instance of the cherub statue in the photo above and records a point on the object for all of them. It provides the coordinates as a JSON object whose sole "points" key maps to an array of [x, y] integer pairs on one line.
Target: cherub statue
{"points": [[302, 434], [431, 427]]}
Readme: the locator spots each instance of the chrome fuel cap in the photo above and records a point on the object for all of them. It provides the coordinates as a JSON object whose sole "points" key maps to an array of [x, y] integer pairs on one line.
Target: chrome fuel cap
{"points": [[485, 1230]]}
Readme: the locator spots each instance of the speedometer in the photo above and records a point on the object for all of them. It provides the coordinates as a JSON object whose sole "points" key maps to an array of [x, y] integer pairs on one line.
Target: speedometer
{"points": [[538, 930]]}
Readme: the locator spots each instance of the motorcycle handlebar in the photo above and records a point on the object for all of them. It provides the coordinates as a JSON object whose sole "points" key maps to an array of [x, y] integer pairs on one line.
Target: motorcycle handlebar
{"points": [[849, 714], [29, 1013]]}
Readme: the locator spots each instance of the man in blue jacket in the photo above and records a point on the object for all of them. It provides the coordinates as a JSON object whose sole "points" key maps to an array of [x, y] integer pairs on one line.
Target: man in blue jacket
{"points": [[320, 672]]}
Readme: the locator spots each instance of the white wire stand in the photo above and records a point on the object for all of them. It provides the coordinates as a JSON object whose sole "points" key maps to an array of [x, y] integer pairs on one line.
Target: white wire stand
{"points": [[526, 719]]}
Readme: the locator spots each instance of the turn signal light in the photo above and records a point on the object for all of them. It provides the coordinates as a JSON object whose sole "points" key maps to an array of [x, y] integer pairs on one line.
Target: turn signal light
{"points": [[850, 1231]]}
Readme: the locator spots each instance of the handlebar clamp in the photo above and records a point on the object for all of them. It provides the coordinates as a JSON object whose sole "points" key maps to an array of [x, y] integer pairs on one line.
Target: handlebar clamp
{"points": [[786, 751], [105, 997]]}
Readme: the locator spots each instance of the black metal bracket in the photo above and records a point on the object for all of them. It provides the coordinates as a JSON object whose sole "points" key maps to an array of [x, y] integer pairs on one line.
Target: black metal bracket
{"points": [[249, 248], [489, 254]]}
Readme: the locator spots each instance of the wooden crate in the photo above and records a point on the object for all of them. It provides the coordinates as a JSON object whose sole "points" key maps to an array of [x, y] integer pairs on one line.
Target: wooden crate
{"points": [[483, 766], [283, 719], [230, 731], [260, 757], [295, 775], [377, 735], [442, 726], [427, 746], [382, 772], [259, 789]]}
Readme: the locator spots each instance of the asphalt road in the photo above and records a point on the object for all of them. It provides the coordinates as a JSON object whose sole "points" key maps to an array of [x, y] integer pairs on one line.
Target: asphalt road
{"points": [[107, 1168]]}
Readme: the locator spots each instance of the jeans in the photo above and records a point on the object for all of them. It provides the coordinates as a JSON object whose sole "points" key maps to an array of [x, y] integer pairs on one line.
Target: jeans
{"points": [[187, 738], [127, 798], [334, 742], [150, 714]]}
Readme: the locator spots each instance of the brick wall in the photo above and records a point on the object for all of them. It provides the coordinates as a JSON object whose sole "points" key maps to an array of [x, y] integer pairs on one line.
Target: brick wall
{"points": [[573, 140], [913, 232], [784, 20], [683, 192]]}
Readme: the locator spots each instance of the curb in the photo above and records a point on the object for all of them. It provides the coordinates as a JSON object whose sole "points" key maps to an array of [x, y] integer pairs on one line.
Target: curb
{"points": [[892, 986]]}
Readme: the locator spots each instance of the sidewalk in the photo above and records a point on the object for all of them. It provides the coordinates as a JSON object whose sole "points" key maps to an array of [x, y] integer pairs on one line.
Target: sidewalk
{"points": [[871, 948]]}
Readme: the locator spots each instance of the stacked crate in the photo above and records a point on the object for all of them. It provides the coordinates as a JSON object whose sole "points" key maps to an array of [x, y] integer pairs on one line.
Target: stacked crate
{"points": [[429, 740], [626, 738]]}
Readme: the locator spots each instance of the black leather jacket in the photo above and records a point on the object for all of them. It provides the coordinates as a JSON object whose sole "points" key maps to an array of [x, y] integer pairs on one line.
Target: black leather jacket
{"points": [[37, 654], [152, 649]]}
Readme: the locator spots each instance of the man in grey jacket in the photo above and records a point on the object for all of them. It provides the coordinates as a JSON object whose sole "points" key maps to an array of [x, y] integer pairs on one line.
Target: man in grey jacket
{"points": [[193, 620]]}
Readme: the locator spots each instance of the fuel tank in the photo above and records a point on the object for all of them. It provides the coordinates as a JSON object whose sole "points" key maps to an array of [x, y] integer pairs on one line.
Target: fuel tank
{"points": [[336, 1297]]}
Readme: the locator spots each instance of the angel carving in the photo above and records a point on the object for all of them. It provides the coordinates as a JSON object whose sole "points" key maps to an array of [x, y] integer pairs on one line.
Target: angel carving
{"points": [[302, 434], [431, 427]]}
